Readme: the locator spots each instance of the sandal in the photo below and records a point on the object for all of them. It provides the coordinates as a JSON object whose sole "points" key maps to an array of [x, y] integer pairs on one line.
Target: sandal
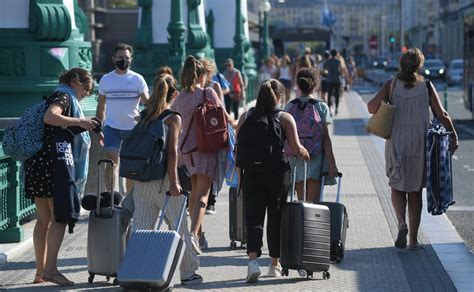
{"points": [[415, 247], [57, 279], [401, 241], [38, 279]]}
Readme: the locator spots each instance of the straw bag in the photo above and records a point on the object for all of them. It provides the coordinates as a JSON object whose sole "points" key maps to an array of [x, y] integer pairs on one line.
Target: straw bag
{"points": [[380, 124]]}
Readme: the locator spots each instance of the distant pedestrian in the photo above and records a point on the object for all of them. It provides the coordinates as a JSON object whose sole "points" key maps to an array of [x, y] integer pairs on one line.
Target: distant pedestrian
{"points": [[285, 76], [120, 93], [237, 88], [351, 71], [149, 196], [50, 174], [333, 80], [405, 162], [323, 72], [265, 183], [319, 143], [268, 70]]}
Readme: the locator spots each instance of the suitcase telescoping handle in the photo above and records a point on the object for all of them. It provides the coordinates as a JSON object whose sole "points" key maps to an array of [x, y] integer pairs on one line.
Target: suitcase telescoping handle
{"points": [[293, 184], [338, 195], [99, 185], [181, 213]]}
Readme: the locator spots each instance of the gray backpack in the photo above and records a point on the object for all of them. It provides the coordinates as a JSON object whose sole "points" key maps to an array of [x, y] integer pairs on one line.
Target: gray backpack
{"points": [[143, 151]]}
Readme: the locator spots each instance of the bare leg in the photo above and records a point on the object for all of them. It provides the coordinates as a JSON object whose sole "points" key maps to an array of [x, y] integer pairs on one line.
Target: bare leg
{"points": [[112, 174], [198, 201], [40, 233], [415, 204], [399, 202], [313, 188], [55, 239]]}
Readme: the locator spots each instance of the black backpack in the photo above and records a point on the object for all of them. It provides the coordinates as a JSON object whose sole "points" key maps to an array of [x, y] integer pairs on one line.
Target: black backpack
{"points": [[260, 142], [143, 151]]}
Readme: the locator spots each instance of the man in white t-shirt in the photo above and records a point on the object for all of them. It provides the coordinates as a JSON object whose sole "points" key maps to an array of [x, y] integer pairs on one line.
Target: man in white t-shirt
{"points": [[120, 93]]}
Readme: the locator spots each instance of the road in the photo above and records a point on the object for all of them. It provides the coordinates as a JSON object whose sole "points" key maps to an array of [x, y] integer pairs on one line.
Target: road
{"points": [[462, 213]]}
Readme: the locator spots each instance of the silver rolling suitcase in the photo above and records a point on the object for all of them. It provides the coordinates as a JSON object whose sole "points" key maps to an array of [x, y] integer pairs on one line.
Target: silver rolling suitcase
{"points": [[153, 256], [305, 235], [106, 236]]}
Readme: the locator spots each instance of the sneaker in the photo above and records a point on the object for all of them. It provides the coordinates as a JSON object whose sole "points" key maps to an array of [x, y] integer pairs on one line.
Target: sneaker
{"points": [[253, 271], [274, 271], [203, 243], [210, 210], [194, 279], [195, 244]]}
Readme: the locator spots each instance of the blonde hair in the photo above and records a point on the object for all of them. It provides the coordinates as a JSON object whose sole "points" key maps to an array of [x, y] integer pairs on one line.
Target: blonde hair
{"points": [[210, 68], [164, 86]]}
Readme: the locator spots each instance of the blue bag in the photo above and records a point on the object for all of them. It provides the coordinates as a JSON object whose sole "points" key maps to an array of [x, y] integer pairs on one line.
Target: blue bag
{"points": [[439, 190], [25, 138], [143, 151], [231, 175]]}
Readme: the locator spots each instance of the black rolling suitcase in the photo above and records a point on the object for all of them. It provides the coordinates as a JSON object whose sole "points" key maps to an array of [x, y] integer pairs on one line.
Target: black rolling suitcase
{"points": [[305, 236], [339, 221], [237, 231]]}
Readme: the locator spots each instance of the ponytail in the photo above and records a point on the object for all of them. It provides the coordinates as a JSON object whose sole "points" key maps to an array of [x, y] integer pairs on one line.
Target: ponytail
{"points": [[164, 87], [270, 93], [192, 70]]}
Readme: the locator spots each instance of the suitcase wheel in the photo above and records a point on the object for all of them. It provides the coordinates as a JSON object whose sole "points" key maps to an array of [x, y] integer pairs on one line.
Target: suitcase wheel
{"points": [[107, 278], [91, 278], [310, 275], [115, 282], [233, 245], [326, 275], [303, 273], [285, 272]]}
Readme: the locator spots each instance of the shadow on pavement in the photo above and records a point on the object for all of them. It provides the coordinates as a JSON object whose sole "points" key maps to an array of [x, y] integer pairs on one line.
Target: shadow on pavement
{"points": [[349, 127]]}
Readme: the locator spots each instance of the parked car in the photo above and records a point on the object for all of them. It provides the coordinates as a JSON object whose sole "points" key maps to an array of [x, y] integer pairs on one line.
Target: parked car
{"points": [[433, 69], [392, 66], [455, 72]]}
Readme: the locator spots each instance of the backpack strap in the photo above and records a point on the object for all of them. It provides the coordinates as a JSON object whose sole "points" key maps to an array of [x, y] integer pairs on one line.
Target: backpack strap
{"points": [[204, 97]]}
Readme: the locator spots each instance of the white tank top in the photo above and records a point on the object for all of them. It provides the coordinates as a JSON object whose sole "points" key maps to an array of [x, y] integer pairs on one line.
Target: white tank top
{"points": [[285, 73]]}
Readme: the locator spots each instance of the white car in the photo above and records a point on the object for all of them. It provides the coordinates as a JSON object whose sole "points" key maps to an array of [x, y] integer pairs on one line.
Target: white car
{"points": [[455, 72]]}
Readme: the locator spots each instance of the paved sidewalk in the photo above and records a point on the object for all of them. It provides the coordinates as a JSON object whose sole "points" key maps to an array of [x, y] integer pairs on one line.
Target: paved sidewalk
{"points": [[371, 262]]}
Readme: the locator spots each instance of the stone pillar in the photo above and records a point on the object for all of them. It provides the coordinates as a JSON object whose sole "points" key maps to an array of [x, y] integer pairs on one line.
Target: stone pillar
{"points": [[40, 39]]}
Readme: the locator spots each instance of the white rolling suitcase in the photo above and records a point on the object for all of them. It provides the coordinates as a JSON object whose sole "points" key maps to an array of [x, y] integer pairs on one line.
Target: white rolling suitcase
{"points": [[106, 235], [153, 256]]}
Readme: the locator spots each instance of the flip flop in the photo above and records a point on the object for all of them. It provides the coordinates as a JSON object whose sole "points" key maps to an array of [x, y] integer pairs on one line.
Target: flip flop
{"points": [[58, 279], [38, 279], [401, 241]]}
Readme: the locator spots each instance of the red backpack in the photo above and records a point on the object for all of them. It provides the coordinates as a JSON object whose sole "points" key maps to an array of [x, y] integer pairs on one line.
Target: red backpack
{"points": [[210, 124]]}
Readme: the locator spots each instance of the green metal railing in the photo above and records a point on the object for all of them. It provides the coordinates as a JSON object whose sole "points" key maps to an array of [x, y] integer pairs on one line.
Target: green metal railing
{"points": [[252, 88], [14, 206]]}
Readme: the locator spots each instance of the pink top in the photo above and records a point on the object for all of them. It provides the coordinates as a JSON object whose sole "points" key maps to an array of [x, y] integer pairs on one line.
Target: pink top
{"points": [[196, 162]]}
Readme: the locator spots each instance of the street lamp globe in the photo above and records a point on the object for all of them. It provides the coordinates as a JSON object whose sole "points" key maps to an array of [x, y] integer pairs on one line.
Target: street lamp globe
{"points": [[266, 6]]}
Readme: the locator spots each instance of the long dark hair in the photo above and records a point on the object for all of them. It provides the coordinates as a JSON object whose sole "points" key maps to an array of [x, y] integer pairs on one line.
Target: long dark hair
{"points": [[192, 70], [163, 88], [270, 92], [410, 62]]}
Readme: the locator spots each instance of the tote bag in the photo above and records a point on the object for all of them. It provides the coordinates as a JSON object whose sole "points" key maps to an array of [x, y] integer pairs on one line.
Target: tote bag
{"points": [[380, 124]]}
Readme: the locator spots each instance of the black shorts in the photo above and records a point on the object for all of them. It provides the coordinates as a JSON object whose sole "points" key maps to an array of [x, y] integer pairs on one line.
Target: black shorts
{"points": [[324, 86]]}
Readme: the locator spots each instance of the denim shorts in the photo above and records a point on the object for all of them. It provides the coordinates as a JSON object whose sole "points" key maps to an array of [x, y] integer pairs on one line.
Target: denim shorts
{"points": [[113, 138]]}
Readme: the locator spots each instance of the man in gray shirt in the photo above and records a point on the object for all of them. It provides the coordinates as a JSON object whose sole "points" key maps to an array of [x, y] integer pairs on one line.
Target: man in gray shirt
{"points": [[333, 81]]}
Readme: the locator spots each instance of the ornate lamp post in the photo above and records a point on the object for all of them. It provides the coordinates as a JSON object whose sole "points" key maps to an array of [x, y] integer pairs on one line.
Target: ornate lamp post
{"points": [[265, 8], [176, 31]]}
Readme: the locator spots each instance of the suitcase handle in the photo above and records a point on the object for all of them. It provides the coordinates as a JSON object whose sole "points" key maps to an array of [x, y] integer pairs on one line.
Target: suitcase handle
{"points": [[338, 195], [181, 214], [99, 183], [293, 184]]}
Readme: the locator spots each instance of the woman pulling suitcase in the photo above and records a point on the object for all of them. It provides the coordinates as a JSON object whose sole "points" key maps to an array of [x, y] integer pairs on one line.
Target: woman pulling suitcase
{"points": [[265, 171], [312, 119], [149, 196]]}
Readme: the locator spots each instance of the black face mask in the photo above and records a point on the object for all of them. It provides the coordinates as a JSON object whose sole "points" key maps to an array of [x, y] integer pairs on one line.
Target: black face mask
{"points": [[122, 64]]}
